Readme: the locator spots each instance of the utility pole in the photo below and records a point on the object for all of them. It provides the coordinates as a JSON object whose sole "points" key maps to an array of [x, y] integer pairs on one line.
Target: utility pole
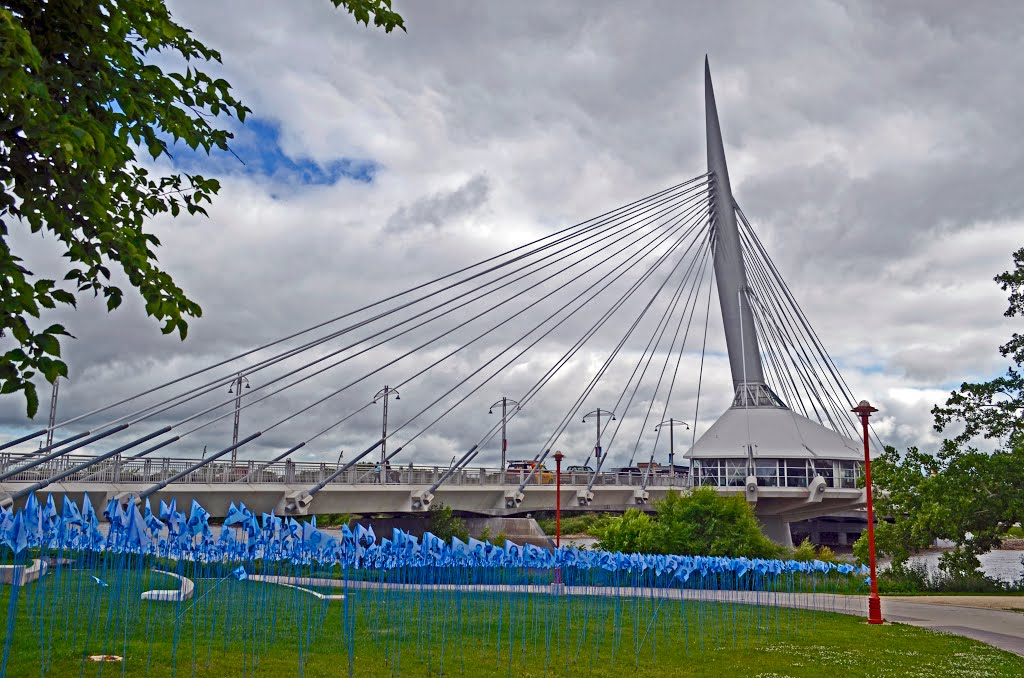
{"points": [[504, 402], [53, 412], [385, 393], [236, 388], [672, 423], [597, 445]]}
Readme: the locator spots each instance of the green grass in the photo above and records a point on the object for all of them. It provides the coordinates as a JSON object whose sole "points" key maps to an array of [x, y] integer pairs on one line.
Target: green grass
{"points": [[242, 628]]}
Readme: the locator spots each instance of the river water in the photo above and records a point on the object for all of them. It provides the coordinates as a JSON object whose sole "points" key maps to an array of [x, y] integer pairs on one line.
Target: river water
{"points": [[1004, 565]]}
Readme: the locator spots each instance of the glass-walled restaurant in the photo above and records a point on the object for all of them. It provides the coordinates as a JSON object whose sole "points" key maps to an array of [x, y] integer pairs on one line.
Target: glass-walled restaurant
{"points": [[776, 472]]}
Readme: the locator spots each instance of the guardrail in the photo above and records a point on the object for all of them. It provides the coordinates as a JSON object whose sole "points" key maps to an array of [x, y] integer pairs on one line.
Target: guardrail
{"points": [[114, 471]]}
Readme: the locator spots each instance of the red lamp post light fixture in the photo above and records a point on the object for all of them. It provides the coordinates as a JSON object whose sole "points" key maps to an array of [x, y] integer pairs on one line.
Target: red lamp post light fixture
{"points": [[864, 409]]}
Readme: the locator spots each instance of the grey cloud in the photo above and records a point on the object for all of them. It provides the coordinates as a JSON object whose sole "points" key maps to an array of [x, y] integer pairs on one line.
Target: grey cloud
{"points": [[437, 209], [872, 146]]}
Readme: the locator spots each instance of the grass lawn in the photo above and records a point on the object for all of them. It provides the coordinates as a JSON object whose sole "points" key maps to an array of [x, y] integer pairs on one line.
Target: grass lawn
{"points": [[235, 628]]}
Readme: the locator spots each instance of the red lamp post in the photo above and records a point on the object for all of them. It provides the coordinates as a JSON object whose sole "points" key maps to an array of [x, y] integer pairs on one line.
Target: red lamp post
{"points": [[558, 498], [558, 513], [864, 409]]}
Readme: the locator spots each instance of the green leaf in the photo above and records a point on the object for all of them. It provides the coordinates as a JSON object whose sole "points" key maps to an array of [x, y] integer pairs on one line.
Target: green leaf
{"points": [[48, 343], [31, 400]]}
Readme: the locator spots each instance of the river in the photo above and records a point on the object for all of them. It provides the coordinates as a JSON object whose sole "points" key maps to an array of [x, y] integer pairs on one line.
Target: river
{"points": [[1004, 565]]}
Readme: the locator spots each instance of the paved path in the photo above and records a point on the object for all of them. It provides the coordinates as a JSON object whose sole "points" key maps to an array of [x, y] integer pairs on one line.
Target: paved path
{"points": [[972, 616]]}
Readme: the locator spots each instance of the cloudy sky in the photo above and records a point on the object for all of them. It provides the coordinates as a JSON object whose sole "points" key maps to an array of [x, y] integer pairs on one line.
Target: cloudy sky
{"points": [[875, 150]]}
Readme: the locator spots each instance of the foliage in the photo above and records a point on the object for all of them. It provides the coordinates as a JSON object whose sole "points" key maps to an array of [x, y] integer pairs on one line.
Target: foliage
{"points": [[701, 522], [443, 523], [960, 493], [993, 409], [633, 532], [584, 523], [80, 95], [804, 552], [333, 519]]}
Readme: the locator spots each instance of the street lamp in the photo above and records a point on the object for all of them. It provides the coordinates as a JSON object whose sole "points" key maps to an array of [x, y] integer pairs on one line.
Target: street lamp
{"points": [[385, 393], [597, 446], [504, 402], [671, 423], [53, 413], [236, 388], [558, 510], [864, 409]]}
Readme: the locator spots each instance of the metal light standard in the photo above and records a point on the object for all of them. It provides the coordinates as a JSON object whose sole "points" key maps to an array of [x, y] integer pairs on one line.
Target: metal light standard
{"points": [[558, 510], [236, 388], [558, 498], [672, 423], [504, 402], [53, 412], [864, 409], [597, 445], [385, 393]]}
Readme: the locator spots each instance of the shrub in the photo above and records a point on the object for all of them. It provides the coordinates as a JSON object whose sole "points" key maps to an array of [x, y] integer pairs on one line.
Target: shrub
{"points": [[804, 552], [700, 523], [444, 524]]}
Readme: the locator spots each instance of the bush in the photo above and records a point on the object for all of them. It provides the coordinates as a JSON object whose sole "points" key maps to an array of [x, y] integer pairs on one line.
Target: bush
{"points": [[700, 523], [633, 532], [333, 519], [805, 553], [444, 524], [586, 523]]}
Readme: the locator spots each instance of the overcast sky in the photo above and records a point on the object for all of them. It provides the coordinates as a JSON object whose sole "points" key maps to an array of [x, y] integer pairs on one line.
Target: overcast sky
{"points": [[875, 150]]}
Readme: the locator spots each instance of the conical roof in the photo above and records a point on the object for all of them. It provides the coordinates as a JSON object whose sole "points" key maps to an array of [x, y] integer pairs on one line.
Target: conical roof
{"points": [[774, 433]]}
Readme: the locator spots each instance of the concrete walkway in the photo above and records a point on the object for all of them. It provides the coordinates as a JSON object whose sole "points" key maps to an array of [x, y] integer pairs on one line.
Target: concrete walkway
{"points": [[990, 619]]}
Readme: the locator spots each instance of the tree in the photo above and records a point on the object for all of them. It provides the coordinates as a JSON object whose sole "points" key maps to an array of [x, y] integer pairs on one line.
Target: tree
{"points": [[960, 493], [80, 96], [444, 524], [702, 522]]}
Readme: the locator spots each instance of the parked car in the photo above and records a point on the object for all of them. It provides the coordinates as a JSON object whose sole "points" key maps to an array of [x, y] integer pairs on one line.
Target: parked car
{"points": [[522, 468]]}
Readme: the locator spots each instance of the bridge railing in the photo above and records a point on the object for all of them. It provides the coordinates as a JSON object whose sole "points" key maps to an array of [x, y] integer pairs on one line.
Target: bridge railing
{"points": [[141, 471]]}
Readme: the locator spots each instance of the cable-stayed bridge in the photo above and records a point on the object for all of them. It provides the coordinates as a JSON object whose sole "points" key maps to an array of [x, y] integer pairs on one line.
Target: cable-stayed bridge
{"points": [[633, 285]]}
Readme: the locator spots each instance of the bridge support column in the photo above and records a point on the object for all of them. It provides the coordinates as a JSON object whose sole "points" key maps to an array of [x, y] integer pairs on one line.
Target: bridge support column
{"points": [[777, 529]]}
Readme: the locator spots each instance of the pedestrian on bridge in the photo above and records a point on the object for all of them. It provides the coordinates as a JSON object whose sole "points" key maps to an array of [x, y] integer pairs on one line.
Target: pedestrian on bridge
{"points": [[376, 472]]}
